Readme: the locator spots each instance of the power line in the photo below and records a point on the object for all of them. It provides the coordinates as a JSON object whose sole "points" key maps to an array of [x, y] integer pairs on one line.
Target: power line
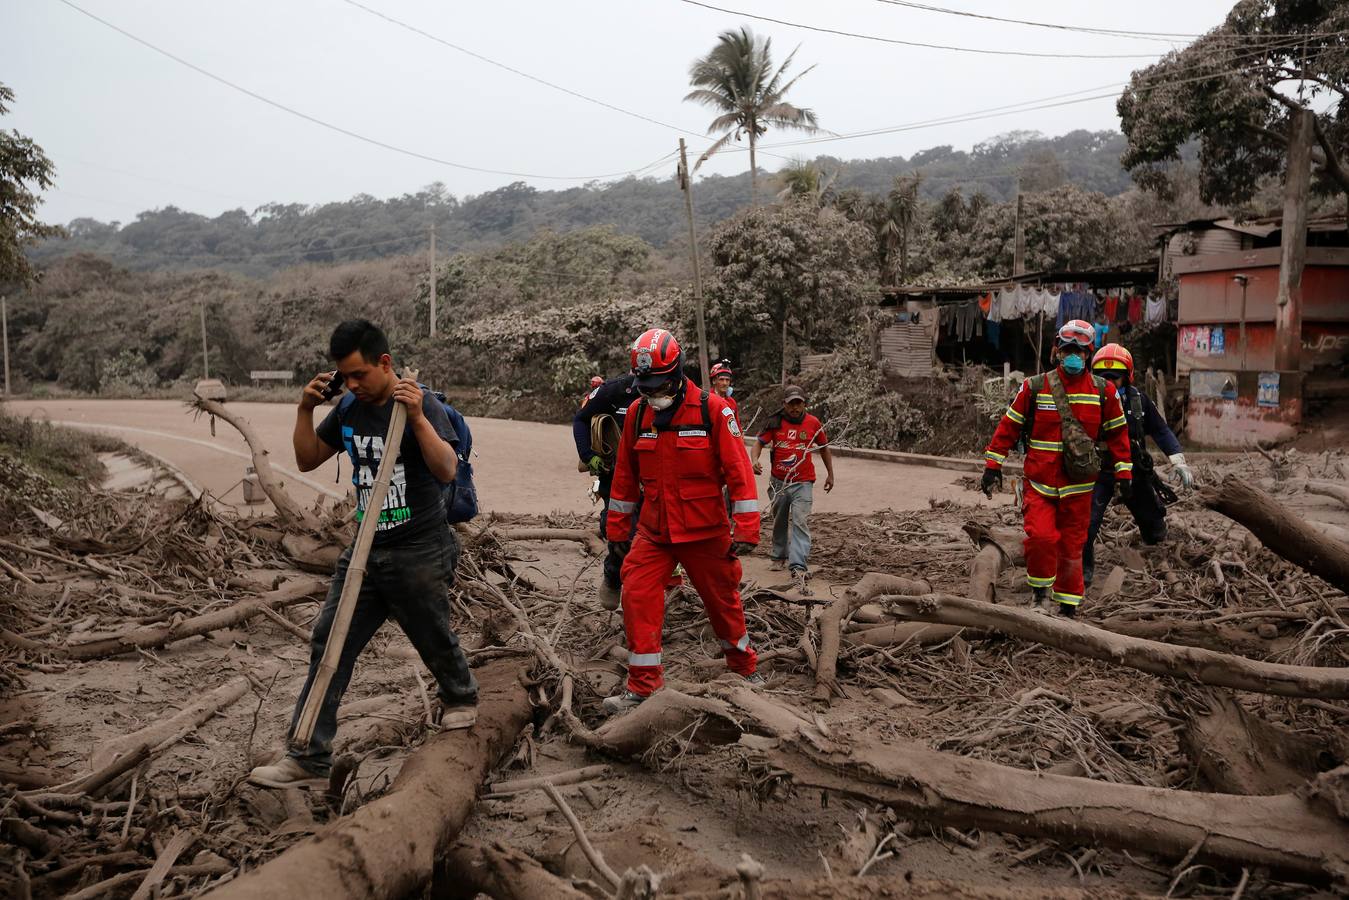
{"points": [[1025, 106], [700, 135], [1144, 35], [1167, 36], [337, 128], [886, 40], [514, 71]]}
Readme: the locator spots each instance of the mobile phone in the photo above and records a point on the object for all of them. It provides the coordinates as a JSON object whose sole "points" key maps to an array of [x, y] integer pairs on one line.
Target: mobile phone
{"points": [[334, 386]]}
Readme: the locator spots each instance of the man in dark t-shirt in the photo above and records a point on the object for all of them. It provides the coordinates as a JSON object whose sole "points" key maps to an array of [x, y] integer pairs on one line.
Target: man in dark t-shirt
{"points": [[411, 562]]}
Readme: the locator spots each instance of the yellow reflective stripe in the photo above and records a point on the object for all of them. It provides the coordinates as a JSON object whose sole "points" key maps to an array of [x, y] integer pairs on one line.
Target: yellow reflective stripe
{"points": [[1093, 399], [1039, 582], [1113, 424], [1124, 467], [1044, 489], [994, 457], [1069, 490], [1056, 446], [1068, 599], [1015, 416]]}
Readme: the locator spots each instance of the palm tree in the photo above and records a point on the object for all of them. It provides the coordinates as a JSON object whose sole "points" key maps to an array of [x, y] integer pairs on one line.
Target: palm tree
{"points": [[802, 180], [736, 78], [892, 219]]}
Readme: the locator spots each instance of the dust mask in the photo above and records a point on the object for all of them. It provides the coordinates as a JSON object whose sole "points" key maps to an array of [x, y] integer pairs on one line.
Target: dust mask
{"points": [[659, 403], [1074, 364]]}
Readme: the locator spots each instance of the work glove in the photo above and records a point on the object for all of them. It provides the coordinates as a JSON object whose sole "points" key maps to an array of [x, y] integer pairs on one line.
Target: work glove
{"points": [[1126, 490], [991, 477], [619, 548], [741, 548], [596, 465], [1183, 472]]}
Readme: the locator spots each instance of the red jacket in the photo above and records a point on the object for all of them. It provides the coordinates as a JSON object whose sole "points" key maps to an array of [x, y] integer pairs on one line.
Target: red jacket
{"points": [[1044, 456], [678, 471]]}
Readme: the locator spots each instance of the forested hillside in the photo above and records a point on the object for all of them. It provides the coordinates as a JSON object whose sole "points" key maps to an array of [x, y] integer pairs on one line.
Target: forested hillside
{"points": [[279, 235]]}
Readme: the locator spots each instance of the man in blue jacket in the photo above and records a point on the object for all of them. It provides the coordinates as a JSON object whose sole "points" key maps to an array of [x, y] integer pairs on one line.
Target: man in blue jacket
{"points": [[1115, 363], [612, 398]]}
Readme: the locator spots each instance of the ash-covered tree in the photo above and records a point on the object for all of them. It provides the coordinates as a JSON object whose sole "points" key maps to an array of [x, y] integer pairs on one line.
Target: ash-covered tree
{"points": [[25, 171], [1234, 90], [786, 271]]}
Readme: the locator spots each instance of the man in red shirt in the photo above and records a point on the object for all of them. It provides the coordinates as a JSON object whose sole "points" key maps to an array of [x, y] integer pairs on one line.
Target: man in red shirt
{"points": [[680, 446], [722, 376], [793, 435], [1057, 506]]}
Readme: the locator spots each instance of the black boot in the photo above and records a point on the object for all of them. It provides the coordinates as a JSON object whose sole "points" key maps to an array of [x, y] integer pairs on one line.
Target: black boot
{"points": [[1067, 610]]}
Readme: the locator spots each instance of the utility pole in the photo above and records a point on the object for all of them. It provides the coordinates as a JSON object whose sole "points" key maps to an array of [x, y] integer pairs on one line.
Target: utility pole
{"points": [[686, 184], [433, 279], [1019, 253], [1288, 305], [205, 352], [4, 327]]}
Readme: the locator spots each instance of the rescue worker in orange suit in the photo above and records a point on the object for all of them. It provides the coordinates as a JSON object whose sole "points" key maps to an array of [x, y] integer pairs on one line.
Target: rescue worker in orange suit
{"points": [[680, 446], [722, 377], [1057, 509]]}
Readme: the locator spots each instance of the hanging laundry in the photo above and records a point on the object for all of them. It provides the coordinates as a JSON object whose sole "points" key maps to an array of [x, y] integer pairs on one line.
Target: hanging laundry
{"points": [[1156, 309], [993, 332], [994, 311], [985, 303], [1074, 305], [1135, 309], [1111, 307]]}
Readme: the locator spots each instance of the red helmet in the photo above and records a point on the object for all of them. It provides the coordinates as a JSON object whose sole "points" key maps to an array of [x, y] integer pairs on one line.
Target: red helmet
{"points": [[596, 380], [723, 367], [655, 357], [1077, 332], [1113, 357]]}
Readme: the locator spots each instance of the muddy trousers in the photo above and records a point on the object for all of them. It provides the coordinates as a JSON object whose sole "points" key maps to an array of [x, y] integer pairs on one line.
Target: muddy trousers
{"points": [[612, 565], [409, 582], [1056, 529], [715, 573], [1147, 508]]}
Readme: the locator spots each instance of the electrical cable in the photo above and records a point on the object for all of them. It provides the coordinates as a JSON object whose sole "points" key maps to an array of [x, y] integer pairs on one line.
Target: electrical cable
{"points": [[886, 40], [1166, 36], [338, 128]]}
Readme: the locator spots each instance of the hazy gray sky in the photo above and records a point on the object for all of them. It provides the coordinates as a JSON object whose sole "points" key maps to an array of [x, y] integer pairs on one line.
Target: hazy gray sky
{"points": [[131, 130]]}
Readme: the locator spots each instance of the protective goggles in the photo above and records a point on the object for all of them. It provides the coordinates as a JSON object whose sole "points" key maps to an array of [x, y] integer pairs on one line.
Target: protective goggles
{"points": [[1072, 334], [1073, 347], [652, 388]]}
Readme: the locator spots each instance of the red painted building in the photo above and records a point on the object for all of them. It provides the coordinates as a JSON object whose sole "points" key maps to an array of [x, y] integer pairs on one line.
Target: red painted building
{"points": [[1226, 329]]}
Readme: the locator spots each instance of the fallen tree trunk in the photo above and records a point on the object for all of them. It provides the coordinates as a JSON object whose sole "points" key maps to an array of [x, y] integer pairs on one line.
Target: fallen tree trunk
{"points": [[286, 507], [148, 636], [1190, 663], [898, 886], [587, 539], [1328, 489], [1237, 752], [1281, 530], [998, 548], [1285, 833], [471, 868], [1220, 638], [171, 730], [872, 584], [388, 848]]}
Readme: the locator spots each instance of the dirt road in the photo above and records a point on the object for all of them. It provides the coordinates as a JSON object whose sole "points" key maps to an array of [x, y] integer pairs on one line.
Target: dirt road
{"points": [[522, 467]]}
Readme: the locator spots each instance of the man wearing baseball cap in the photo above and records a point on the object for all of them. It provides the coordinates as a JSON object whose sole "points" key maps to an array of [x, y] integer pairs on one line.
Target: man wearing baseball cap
{"points": [[793, 435]]}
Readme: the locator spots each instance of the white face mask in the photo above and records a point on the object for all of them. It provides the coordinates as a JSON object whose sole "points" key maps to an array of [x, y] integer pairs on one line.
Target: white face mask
{"points": [[659, 403]]}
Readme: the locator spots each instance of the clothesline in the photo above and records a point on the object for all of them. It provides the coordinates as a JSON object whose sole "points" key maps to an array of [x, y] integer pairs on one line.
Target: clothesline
{"points": [[1112, 309]]}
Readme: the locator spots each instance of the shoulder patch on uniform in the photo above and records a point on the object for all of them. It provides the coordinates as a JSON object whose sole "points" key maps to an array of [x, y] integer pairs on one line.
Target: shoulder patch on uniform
{"points": [[593, 393], [731, 424]]}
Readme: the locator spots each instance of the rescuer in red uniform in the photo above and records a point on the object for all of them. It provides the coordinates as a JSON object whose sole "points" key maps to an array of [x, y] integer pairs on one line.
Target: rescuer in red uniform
{"points": [[722, 376], [1057, 507], [680, 446]]}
